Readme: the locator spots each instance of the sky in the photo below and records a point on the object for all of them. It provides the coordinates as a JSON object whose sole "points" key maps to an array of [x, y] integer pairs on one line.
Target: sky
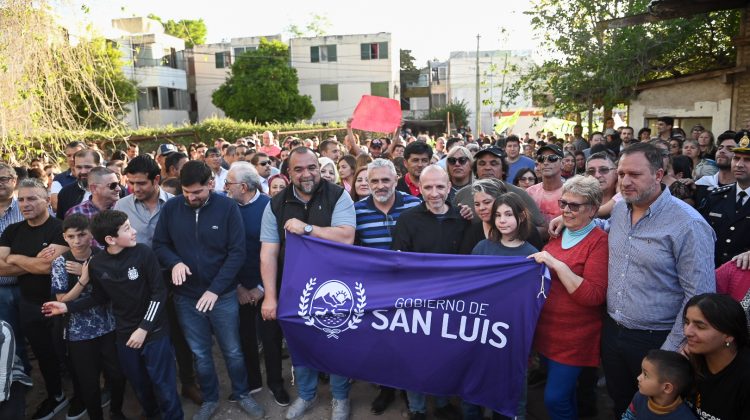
{"points": [[430, 29]]}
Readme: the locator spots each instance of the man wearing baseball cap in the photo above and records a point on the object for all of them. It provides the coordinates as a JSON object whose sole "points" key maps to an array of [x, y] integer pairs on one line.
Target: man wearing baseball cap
{"points": [[162, 152], [727, 209], [548, 192]]}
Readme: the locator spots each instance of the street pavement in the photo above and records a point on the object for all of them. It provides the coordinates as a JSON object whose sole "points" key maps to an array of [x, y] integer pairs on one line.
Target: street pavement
{"points": [[361, 395]]}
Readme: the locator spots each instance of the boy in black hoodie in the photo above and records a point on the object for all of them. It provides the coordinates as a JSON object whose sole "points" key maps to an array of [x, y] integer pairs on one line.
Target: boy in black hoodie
{"points": [[128, 275]]}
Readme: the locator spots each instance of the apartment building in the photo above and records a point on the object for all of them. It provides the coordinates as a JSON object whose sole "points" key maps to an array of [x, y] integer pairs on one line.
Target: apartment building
{"points": [[155, 61], [335, 71]]}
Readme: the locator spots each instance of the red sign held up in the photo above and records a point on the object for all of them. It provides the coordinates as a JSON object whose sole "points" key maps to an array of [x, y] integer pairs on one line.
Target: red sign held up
{"points": [[377, 114]]}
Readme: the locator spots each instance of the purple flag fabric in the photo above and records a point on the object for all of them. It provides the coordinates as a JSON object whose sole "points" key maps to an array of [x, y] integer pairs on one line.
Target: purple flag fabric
{"points": [[438, 324]]}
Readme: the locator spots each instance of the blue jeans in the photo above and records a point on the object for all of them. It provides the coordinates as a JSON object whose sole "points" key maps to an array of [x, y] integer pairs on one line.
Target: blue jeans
{"points": [[560, 391], [10, 296], [224, 322], [307, 384], [152, 373], [418, 402]]}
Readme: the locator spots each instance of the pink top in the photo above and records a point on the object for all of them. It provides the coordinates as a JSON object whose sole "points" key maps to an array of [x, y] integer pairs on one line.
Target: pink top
{"points": [[272, 150], [732, 281], [546, 201], [570, 324]]}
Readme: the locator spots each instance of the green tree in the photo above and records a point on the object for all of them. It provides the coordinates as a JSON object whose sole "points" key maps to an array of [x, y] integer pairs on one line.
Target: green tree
{"points": [[409, 72], [459, 113], [105, 70], [589, 67], [262, 86], [192, 31], [317, 26]]}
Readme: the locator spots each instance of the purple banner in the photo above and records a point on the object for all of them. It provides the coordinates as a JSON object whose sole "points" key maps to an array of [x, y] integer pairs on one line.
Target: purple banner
{"points": [[438, 324]]}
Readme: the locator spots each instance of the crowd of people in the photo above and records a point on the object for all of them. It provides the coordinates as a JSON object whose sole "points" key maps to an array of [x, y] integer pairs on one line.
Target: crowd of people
{"points": [[127, 266]]}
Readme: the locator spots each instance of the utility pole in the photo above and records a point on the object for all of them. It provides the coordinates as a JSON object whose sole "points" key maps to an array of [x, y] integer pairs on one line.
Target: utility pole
{"points": [[479, 102]]}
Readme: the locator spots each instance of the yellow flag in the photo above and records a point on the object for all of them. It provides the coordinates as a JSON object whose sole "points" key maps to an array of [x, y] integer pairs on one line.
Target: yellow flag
{"points": [[506, 122]]}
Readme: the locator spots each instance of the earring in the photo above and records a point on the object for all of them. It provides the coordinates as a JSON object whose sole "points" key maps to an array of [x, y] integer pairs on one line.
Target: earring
{"points": [[727, 343]]}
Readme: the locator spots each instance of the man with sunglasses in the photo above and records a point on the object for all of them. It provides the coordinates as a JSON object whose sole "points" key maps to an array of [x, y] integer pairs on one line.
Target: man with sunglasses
{"points": [[263, 165], [105, 191], [548, 192]]}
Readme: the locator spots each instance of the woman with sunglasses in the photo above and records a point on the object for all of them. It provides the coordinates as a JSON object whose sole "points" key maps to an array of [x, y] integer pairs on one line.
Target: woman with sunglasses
{"points": [[569, 327], [525, 178]]}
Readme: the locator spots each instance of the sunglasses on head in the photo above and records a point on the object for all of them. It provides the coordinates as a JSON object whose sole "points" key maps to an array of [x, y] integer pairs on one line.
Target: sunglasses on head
{"points": [[461, 160], [548, 158]]}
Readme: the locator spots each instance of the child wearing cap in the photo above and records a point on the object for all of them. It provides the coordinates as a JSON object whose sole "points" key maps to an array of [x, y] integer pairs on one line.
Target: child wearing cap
{"points": [[666, 376]]}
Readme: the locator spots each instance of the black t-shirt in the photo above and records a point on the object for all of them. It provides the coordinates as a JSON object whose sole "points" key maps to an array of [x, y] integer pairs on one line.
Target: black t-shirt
{"points": [[726, 394], [23, 239]]}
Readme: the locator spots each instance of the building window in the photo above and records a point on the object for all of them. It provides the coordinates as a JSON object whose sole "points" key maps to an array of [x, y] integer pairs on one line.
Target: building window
{"points": [[379, 89], [153, 97], [239, 50], [223, 59], [438, 100], [329, 93], [374, 50], [323, 53]]}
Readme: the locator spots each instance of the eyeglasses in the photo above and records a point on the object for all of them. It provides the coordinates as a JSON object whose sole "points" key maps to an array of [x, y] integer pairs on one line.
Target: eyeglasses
{"points": [[112, 185], [603, 171], [6, 179], [264, 163], [570, 205], [548, 158], [461, 161]]}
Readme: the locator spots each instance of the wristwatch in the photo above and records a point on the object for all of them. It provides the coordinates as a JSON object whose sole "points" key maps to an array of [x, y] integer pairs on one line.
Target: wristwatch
{"points": [[308, 229]]}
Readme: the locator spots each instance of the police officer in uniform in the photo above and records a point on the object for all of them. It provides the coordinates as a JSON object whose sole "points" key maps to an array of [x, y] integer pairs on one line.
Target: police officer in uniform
{"points": [[727, 209]]}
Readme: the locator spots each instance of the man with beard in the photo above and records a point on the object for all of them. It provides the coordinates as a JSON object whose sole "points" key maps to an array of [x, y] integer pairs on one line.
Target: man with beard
{"points": [[309, 207], [199, 237], [627, 136], [726, 207], [376, 220], [264, 167], [243, 186], [658, 247], [725, 143], [434, 226], [73, 194]]}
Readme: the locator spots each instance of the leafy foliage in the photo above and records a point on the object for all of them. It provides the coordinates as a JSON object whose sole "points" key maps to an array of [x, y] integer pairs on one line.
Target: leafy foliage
{"points": [[590, 67], [262, 87], [317, 26], [459, 111], [409, 72], [192, 31], [106, 72]]}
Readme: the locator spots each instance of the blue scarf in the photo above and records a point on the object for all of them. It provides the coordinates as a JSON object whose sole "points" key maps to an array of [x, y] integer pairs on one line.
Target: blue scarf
{"points": [[571, 238]]}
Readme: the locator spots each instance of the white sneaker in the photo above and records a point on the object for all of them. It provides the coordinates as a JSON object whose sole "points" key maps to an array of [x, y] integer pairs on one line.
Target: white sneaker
{"points": [[340, 409], [299, 407]]}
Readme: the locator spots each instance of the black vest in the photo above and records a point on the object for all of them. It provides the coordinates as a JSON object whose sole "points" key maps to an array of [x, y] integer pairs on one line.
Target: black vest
{"points": [[318, 212]]}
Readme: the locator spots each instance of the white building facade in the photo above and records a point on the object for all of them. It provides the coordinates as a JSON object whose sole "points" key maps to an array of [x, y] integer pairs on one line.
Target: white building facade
{"points": [[155, 61], [335, 71], [495, 78]]}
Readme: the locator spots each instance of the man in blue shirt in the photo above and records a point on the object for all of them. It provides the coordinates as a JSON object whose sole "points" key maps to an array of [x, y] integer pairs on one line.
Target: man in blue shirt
{"points": [[515, 160], [660, 252]]}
